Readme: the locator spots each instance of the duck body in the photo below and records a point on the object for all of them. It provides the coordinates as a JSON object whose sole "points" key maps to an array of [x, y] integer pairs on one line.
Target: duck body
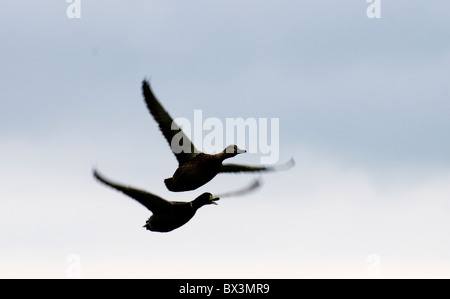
{"points": [[194, 173], [166, 215], [177, 215], [195, 168]]}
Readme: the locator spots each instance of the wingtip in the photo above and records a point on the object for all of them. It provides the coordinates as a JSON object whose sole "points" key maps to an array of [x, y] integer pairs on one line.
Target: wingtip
{"points": [[95, 172], [145, 84], [257, 182], [147, 92], [146, 81], [288, 165], [252, 187], [291, 162]]}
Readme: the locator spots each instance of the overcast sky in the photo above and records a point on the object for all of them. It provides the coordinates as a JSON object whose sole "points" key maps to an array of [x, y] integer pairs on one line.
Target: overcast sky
{"points": [[363, 107]]}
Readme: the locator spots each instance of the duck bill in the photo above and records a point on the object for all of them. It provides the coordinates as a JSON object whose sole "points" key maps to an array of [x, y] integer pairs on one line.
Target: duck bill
{"points": [[241, 151], [214, 199]]}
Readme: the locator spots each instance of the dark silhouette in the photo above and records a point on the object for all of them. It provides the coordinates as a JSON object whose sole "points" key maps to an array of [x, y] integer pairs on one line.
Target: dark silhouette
{"points": [[194, 167], [168, 215]]}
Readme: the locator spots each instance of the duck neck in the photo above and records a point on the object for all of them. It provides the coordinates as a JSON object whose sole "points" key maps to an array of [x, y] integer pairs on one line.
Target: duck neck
{"points": [[195, 205], [223, 155]]}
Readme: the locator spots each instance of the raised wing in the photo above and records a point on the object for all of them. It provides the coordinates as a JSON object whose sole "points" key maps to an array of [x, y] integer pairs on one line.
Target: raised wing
{"points": [[183, 152], [152, 202]]}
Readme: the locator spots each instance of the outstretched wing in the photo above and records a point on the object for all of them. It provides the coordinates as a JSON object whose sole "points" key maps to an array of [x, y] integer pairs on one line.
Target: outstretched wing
{"points": [[152, 202], [250, 188], [183, 152], [245, 168]]}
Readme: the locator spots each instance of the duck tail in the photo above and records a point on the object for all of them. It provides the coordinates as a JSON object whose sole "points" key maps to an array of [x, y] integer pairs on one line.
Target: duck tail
{"points": [[147, 225], [169, 183]]}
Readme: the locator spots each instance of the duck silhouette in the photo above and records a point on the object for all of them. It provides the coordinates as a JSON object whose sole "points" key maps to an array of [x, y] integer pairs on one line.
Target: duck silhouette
{"points": [[195, 168], [169, 215]]}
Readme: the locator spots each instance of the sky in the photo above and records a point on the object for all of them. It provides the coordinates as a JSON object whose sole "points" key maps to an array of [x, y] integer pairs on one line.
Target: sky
{"points": [[362, 105]]}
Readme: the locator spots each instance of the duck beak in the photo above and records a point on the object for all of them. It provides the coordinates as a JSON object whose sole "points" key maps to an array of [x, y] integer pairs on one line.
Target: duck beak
{"points": [[214, 199], [241, 151]]}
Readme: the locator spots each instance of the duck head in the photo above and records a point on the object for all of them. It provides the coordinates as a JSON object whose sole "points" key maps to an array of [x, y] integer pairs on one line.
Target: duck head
{"points": [[232, 150], [204, 199]]}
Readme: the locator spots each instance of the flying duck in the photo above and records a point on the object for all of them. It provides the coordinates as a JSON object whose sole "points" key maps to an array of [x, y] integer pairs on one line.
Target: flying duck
{"points": [[195, 168], [169, 215]]}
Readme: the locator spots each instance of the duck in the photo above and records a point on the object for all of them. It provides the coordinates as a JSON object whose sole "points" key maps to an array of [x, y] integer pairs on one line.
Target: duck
{"points": [[195, 168], [169, 215]]}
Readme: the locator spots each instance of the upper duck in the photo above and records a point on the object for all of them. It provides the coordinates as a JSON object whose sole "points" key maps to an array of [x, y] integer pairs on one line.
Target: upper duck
{"points": [[169, 215], [194, 167]]}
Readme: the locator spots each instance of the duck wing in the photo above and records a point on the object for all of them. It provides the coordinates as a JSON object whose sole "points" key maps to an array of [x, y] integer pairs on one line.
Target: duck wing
{"points": [[152, 202], [246, 168], [254, 185], [168, 127]]}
